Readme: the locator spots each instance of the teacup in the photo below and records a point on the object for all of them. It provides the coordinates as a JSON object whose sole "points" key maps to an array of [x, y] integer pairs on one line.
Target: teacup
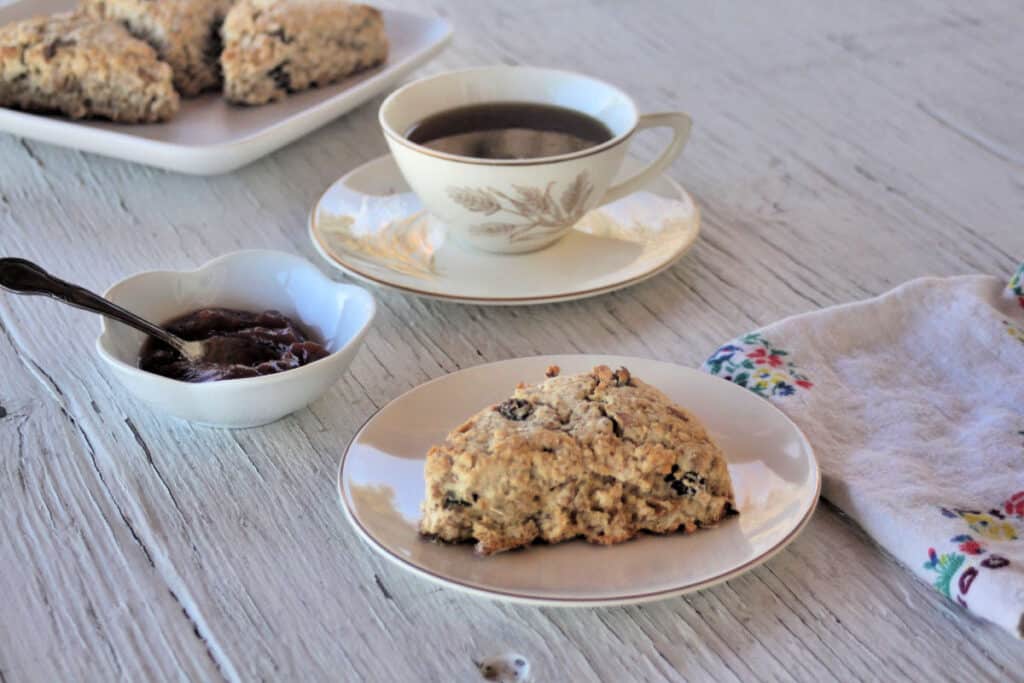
{"points": [[520, 205]]}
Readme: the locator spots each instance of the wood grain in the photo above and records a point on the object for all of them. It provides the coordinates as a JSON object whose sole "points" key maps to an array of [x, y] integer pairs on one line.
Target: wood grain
{"points": [[839, 149]]}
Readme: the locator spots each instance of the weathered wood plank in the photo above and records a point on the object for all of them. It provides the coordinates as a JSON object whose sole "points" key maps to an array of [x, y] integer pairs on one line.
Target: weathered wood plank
{"points": [[82, 598]]}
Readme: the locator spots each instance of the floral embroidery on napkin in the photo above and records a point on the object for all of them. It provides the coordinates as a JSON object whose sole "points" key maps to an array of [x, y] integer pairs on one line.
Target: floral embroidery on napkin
{"points": [[947, 565], [1014, 505], [1014, 331], [989, 526], [968, 545], [1017, 285], [755, 363]]}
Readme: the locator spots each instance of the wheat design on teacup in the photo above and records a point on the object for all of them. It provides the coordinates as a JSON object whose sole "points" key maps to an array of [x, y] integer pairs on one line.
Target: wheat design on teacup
{"points": [[540, 212]]}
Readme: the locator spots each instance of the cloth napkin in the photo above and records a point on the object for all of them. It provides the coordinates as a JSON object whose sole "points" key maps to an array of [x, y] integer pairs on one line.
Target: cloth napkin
{"points": [[914, 404]]}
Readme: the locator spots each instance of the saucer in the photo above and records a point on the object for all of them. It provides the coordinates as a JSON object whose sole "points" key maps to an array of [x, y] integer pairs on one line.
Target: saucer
{"points": [[371, 226], [773, 469]]}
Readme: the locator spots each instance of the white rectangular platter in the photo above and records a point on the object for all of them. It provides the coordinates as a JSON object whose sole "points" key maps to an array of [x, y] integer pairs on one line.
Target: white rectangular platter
{"points": [[210, 136]]}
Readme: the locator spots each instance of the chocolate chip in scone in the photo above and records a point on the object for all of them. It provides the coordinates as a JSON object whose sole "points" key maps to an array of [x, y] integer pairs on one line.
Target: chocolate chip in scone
{"points": [[282, 79], [281, 35], [552, 371], [686, 485], [621, 378], [515, 409], [50, 51], [453, 501], [682, 489]]}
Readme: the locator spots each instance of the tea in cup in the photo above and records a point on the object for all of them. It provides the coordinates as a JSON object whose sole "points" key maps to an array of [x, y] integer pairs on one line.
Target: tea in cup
{"points": [[511, 157]]}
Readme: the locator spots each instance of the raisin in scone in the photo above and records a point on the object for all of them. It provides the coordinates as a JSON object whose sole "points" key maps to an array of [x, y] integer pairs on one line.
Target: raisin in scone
{"points": [[600, 455], [185, 33], [276, 47], [83, 68]]}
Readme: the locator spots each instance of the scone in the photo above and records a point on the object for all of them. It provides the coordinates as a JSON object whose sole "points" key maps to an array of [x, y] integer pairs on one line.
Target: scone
{"points": [[83, 68], [276, 47], [600, 455], [185, 33]]}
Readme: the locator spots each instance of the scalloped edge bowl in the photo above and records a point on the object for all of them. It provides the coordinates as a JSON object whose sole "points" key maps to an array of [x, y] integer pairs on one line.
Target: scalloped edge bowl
{"points": [[340, 314]]}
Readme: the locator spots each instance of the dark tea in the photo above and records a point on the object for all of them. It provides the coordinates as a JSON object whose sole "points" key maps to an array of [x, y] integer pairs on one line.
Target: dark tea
{"points": [[509, 130]]}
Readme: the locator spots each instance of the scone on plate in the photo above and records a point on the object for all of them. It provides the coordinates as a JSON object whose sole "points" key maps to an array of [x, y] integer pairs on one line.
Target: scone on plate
{"points": [[600, 455], [185, 33], [82, 67], [276, 47]]}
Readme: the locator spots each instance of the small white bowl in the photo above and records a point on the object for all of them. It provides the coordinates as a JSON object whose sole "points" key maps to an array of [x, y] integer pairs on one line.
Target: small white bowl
{"points": [[255, 280]]}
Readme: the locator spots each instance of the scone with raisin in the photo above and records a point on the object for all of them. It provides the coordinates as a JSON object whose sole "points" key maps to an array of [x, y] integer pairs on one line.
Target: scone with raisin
{"points": [[83, 67], [600, 455], [185, 33], [273, 48]]}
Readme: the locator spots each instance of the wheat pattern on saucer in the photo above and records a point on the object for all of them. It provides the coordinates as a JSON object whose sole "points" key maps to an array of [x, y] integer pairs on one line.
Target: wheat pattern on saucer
{"points": [[540, 213], [404, 246]]}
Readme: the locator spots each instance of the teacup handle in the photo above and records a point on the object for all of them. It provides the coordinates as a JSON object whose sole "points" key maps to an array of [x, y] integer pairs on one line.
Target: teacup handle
{"points": [[681, 124]]}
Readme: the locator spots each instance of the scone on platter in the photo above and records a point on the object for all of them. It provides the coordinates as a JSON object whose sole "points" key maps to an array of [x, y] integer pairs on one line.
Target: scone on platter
{"points": [[131, 60], [273, 48], [83, 67], [600, 455], [185, 34]]}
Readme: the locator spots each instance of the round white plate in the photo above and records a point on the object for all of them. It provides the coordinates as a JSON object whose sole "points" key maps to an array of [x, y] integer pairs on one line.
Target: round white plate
{"points": [[587, 262], [774, 473]]}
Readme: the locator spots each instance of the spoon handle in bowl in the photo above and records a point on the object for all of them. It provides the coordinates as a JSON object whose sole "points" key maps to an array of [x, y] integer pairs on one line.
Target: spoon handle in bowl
{"points": [[24, 277]]}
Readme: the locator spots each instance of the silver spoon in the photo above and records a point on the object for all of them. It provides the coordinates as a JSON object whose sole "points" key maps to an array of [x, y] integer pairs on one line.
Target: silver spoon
{"points": [[24, 277]]}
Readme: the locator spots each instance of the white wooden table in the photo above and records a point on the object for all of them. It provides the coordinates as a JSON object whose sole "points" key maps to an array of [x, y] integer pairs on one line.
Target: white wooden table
{"points": [[840, 148]]}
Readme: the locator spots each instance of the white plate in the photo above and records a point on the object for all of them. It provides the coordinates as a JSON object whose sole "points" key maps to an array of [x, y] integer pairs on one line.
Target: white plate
{"points": [[774, 472], [581, 265], [210, 136]]}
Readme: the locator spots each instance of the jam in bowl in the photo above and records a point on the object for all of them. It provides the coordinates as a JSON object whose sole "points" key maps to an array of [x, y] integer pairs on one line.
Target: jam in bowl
{"points": [[239, 344]]}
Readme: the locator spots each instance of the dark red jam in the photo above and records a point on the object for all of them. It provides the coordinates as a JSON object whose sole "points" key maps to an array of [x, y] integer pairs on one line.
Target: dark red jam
{"points": [[241, 344]]}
